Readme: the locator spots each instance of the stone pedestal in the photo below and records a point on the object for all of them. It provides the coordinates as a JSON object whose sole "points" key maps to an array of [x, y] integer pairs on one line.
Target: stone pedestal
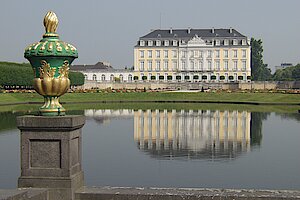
{"points": [[51, 154]]}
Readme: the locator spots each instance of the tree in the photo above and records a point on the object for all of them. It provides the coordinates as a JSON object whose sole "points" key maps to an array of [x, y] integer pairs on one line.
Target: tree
{"points": [[288, 74], [259, 70]]}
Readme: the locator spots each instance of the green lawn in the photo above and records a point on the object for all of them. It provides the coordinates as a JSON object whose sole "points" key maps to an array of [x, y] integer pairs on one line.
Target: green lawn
{"points": [[269, 98], [74, 101]]}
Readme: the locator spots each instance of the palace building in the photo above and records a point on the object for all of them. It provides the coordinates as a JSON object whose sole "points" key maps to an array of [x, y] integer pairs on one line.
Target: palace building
{"points": [[193, 55]]}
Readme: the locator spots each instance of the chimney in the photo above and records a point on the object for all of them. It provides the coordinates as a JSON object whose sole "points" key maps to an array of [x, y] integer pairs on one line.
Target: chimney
{"points": [[171, 30], [230, 30], [189, 30], [213, 30]]}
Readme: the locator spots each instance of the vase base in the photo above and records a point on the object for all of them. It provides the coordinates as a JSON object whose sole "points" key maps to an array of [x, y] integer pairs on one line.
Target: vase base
{"points": [[52, 111]]}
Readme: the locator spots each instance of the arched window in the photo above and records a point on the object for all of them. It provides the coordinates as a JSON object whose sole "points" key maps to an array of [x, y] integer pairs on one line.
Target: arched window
{"points": [[121, 77], [129, 77], [94, 77], [85, 77], [103, 77], [112, 77]]}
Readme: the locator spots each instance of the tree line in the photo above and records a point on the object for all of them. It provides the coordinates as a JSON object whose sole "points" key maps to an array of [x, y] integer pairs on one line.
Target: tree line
{"points": [[260, 70], [21, 75]]}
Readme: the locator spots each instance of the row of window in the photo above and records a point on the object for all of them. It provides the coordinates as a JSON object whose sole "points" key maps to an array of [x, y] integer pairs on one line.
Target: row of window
{"points": [[193, 53], [111, 77], [193, 77], [192, 65], [158, 43], [169, 77]]}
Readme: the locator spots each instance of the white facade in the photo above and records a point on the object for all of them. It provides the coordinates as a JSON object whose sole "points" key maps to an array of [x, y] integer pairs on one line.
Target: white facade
{"points": [[108, 76]]}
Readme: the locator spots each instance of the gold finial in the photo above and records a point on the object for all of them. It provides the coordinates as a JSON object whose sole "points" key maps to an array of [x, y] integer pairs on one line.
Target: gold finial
{"points": [[50, 22]]}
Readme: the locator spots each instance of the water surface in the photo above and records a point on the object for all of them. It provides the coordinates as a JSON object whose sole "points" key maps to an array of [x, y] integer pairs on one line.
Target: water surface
{"points": [[177, 148]]}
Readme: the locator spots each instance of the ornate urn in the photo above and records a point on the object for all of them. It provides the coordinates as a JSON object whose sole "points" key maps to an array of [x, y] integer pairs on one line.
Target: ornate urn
{"points": [[50, 59]]}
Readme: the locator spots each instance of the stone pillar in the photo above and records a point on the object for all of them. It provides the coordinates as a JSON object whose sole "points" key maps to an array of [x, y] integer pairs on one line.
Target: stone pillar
{"points": [[51, 154]]}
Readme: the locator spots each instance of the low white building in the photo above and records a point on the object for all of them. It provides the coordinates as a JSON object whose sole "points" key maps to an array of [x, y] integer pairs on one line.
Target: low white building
{"points": [[103, 72]]}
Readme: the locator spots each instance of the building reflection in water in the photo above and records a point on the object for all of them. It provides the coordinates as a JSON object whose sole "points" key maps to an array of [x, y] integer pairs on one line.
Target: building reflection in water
{"points": [[186, 134], [192, 134]]}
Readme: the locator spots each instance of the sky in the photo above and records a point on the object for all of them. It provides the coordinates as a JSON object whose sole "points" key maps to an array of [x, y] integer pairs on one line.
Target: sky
{"points": [[107, 30]]}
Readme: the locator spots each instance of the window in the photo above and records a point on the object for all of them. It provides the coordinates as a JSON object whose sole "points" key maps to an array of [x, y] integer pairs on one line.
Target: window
{"points": [[121, 77], [183, 54], [217, 63], [178, 77], [235, 42], [169, 78], [157, 53], [217, 42], [226, 42], [174, 54], [244, 53], [217, 53], [129, 77], [195, 77], [166, 43], [209, 53], [226, 53], [142, 43], [244, 64], [201, 65], [153, 78], [186, 77], [144, 78], [142, 65], [244, 42], [165, 53], [150, 53], [94, 77], [166, 63], [196, 53], [192, 65], [157, 65], [183, 65], [85, 77], [112, 77], [149, 65], [201, 54], [235, 63], [158, 42], [142, 54], [240, 78], [174, 65], [209, 65], [102, 77], [226, 65], [174, 42], [150, 43], [161, 77], [235, 53]]}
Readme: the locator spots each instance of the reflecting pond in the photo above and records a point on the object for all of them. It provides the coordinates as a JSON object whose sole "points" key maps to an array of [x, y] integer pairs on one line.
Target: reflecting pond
{"points": [[177, 148]]}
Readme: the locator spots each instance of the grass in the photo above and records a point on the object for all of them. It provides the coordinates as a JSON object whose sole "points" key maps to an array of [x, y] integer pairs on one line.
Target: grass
{"points": [[81, 101], [224, 97]]}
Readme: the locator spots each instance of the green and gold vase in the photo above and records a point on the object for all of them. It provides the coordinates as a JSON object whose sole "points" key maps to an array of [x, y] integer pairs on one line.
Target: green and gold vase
{"points": [[50, 59]]}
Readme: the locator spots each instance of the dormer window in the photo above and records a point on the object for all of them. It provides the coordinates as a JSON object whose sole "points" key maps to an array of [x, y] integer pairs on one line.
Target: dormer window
{"points": [[142, 43], [158, 42], [244, 42], [166, 43], [217, 42], [174, 42], [226, 42], [150, 43], [235, 42]]}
